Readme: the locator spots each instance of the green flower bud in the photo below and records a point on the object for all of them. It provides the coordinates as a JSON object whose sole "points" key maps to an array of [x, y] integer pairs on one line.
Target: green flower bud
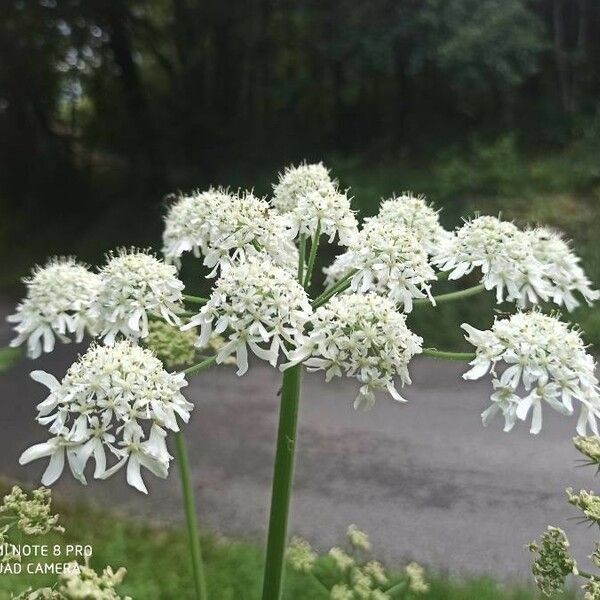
{"points": [[587, 502], [357, 538], [171, 345], [591, 589], [589, 446], [32, 514], [301, 556], [416, 576], [554, 562]]}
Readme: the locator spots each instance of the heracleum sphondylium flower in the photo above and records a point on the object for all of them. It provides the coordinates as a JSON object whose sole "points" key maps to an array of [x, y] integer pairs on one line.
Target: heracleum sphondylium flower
{"points": [[360, 336], [561, 268], [502, 252], [227, 227], [134, 286], [389, 260], [117, 398], [56, 304], [420, 218], [526, 266], [309, 197], [256, 305], [188, 223], [543, 360], [296, 182]]}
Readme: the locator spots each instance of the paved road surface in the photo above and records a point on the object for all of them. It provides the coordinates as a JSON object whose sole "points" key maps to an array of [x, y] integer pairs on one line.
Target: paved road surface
{"points": [[426, 480]]}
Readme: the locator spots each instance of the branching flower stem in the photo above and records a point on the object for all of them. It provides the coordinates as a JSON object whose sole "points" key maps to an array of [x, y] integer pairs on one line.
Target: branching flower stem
{"points": [[447, 355], [189, 503], [451, 296], [314, 246], [282, 483], [194, 369], [340, 286], [195, 299], [283, 471], [191, 517]]}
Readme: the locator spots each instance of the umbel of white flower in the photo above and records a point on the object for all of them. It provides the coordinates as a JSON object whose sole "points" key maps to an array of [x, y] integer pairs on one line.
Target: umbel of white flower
{"points": [[254, 304], [114, 398], [134, 286], [386, 258], [421, 219], [314, 204], [535, 358], [360, 336], [56, 304], [528, 266], [227, 227]]}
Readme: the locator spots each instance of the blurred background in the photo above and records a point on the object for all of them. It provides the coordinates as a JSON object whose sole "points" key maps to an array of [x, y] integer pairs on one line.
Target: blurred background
{"points": [[106, 108]]}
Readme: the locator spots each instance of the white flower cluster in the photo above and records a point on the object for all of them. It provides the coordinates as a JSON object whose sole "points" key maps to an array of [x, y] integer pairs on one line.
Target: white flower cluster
{"points": [[313, 201], [57, 304], [543, 360], [528, 266], [255, 304], [420, 218], [226, 227], [117, 398], [388, 259], [562, 269], [135, 285], [360, 336]]}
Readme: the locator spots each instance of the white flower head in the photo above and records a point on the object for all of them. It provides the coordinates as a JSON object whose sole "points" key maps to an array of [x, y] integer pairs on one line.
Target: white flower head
{"points": [[313, 202], [227, 227], [57, 304], [389, 260], [501, 251], [117, 398], [414, 213], [256, 305], [562, 270], [360, 336], [525, 267], [188, 223], [296, 182], [535, 358], [135, 285]]}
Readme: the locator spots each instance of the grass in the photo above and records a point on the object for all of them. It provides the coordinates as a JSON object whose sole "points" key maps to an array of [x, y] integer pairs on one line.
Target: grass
{"points": [[158, 566]]}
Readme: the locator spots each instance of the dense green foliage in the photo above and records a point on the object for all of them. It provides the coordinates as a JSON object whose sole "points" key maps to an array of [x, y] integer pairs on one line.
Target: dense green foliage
{"points": [[234, 569]]}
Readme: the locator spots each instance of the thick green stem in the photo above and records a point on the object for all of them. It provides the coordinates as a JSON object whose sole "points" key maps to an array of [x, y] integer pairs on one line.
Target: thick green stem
{"points": [[340, 286], [314, 245], [190, 516], [282, 483], [446, 355], [194, 299], [207, 362], [451, 296]]}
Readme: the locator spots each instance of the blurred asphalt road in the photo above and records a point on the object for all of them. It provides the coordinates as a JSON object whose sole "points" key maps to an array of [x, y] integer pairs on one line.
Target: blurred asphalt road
{"points": [[425, 480]]}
